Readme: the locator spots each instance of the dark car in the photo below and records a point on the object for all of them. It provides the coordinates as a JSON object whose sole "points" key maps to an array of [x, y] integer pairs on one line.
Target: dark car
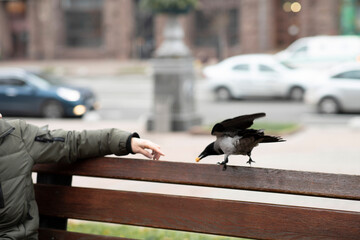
{"points": [[26, 93]]}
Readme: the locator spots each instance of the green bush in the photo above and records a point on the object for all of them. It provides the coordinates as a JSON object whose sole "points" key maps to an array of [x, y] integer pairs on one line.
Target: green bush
{"points": [[169, 6]]}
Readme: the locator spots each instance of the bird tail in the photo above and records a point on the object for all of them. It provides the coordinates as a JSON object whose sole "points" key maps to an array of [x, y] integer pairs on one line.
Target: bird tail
{"points": [[269, 139]]}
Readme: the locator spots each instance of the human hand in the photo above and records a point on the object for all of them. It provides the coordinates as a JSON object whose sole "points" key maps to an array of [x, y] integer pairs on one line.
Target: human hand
{"points": [[139, 145]]}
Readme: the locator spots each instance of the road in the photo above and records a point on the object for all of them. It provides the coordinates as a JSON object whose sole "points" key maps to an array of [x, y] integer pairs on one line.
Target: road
{"points": [[130, 97]]}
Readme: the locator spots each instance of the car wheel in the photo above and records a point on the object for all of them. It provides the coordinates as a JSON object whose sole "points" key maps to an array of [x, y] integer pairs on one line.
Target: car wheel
{"points": [[296, 94], [328, 106], [52, 109], [223, 94]]}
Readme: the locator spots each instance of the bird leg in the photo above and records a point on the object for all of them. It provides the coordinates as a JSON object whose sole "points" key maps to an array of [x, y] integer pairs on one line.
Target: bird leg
{"points": [[226, 160], [250, 160]]}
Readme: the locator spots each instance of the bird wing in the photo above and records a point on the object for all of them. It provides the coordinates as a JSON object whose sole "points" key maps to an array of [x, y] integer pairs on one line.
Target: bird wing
{"points": [[235, 124]]}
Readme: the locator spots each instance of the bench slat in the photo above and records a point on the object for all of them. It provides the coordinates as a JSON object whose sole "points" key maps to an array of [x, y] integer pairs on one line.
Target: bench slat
{"points": [[223, 217], [235, 177], [45, 234]]}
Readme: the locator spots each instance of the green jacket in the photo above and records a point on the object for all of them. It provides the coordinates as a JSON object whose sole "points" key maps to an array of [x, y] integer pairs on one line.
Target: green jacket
{"points": [[21, 146]]}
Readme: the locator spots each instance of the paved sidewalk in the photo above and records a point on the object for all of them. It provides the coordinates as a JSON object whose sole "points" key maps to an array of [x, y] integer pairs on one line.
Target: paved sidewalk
{"points": [[82, 67]]}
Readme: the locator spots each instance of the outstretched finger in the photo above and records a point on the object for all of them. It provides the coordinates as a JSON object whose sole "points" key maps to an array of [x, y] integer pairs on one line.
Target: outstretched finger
{"points": [[155, 148]]}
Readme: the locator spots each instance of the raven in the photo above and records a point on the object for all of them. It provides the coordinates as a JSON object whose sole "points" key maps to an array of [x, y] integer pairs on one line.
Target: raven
{"points": [[233, 137]]}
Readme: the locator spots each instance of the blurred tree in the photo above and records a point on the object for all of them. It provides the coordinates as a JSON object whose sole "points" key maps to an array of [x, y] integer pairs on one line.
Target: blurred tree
{"points": [[170, 6]]}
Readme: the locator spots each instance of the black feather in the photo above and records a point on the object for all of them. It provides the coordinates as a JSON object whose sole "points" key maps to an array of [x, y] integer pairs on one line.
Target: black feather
{"points": [[235, 124], [268, 139]]}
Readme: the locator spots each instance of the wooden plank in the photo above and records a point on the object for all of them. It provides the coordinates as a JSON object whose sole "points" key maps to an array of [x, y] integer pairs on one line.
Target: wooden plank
{"points": [[46, 234], [235, 177], [214, 216]]}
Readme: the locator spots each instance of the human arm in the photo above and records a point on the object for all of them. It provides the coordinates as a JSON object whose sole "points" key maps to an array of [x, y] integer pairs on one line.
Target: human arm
{"points": [[68, 146]]}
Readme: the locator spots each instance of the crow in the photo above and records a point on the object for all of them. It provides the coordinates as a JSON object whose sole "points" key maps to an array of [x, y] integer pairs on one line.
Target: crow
{"points": [[233, 137]]}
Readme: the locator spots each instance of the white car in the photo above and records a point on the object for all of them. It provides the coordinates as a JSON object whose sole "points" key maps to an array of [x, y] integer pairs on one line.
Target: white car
{"points": [[257, 75], [321, 51], [338, 92]]}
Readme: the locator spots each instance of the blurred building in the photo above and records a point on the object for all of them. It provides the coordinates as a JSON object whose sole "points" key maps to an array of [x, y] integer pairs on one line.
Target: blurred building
{"points": [[60, 29]]}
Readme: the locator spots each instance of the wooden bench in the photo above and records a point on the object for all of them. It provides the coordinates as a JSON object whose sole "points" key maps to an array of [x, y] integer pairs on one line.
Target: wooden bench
{"points": [[58, 200]]}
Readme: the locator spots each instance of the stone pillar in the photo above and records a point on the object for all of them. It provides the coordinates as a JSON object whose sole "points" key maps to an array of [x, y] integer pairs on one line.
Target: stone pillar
{"points": [[174, 80]]}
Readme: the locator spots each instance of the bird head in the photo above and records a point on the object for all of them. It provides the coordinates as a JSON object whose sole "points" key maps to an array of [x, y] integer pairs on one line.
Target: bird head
{"points": [[209, 150]]}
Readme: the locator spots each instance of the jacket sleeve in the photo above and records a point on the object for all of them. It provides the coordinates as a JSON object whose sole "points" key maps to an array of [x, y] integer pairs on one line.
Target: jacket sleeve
{"points": [[67, 146]]}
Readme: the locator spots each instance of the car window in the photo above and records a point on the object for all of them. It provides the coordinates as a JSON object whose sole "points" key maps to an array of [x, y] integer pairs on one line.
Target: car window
{"points": [[49, 78], [241, 67], [38, 81], [301, 51], [9, 81], [265, 68], [287, 66], [348, 74]]}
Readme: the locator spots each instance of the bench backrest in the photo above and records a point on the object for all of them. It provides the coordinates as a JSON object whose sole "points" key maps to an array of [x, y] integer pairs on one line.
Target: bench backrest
{"points": [[203, 215]]}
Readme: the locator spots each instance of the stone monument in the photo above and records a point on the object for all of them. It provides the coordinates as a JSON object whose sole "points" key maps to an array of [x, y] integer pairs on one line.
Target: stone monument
{"points": [[174, 80]]}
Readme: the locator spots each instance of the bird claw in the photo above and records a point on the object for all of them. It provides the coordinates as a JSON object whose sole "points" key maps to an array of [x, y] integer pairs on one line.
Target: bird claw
{"points": [[250, 161], [224, 165]]}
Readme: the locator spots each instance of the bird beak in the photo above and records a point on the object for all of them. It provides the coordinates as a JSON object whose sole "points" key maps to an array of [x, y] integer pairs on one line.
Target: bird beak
{"points": [[201, 156]]}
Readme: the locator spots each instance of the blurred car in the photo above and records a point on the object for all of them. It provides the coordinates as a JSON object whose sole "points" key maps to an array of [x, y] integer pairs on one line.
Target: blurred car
{"points": [[338, 91], [256, 75], [321, 51], [25, 93]]}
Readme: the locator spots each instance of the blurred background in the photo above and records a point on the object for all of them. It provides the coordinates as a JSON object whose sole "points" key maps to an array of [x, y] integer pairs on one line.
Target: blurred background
{"points": [[89, 61], [97, 62], [79, 64], [107, 46], [73, 29]]}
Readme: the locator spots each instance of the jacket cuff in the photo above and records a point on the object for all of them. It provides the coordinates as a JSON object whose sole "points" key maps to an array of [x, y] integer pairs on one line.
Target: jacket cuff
{"points": [[128, 142]]}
